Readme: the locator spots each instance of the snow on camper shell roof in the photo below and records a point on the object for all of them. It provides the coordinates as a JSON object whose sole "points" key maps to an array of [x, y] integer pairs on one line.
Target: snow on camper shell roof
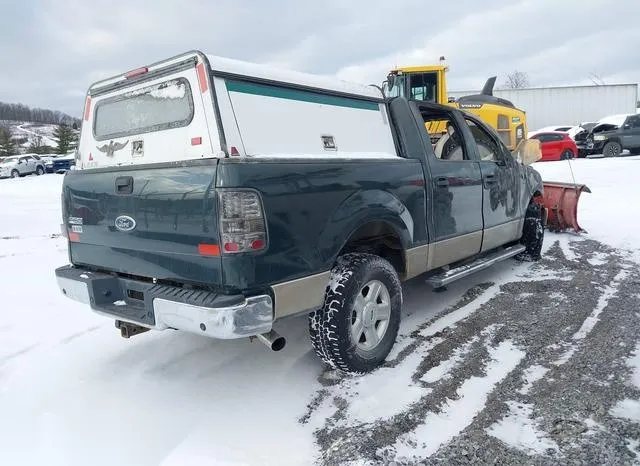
{"points": [[249, 69]]}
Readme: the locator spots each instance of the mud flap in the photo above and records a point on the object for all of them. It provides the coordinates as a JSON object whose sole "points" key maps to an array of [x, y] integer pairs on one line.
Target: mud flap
{"points": [[561, 202]]}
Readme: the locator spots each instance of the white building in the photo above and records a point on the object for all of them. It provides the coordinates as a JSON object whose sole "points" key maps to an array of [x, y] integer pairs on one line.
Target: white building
{"points": [[568, 105]]}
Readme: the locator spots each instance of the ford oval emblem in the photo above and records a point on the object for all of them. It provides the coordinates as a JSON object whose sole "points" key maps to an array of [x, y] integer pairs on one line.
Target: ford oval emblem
{"points": [[125, 223]]}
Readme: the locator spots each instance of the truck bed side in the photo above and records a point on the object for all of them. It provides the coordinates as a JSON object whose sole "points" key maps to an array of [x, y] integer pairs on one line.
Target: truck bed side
{"points": [[314, 208]]}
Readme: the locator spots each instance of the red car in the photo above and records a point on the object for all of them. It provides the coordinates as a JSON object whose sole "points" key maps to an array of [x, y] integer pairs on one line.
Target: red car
{"points": [[556, 146]]}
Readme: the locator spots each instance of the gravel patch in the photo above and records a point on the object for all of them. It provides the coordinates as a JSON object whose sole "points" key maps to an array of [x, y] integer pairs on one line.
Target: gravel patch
{"points": [[550, 357]]}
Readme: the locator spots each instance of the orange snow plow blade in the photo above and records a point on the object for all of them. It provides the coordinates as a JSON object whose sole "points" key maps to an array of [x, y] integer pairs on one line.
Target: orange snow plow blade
{"points": [[561, 202]]}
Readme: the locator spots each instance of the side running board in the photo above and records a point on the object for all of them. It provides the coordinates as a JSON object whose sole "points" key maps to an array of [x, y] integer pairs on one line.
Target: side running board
{"points": [[441, 279]]}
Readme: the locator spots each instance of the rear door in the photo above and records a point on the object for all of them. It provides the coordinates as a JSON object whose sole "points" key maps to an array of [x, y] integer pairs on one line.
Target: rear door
{"points": [[455, 188], [23, 165], [141, 200], [501, 186]]}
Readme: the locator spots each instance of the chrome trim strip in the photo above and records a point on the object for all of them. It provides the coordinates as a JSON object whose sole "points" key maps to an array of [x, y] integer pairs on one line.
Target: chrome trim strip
{"points": [[443, 279], [300, 295]]}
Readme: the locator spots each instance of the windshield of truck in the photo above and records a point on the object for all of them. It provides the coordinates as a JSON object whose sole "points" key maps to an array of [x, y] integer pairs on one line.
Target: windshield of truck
{"points": [[424, 86], [161, 106]]}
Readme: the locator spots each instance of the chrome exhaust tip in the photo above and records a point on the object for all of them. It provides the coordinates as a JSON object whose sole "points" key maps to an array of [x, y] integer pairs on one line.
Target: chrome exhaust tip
{"points": [[273, 340]]}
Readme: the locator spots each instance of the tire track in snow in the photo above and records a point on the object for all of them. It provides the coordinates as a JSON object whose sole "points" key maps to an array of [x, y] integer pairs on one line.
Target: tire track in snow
{"points": [[373, 404], [538, 313], [592, 319], [441, 427]]}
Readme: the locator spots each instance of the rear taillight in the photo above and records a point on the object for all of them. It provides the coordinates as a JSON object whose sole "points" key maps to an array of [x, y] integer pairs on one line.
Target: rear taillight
{"points": [[242, 226]]}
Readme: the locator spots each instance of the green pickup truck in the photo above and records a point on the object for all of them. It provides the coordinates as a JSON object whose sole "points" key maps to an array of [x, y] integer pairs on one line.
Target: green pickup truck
{"points": [[217, 197]]}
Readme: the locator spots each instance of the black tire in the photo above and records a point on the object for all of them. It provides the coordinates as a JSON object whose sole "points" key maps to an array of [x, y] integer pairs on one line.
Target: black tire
{"points": [[330, 327], [567, 155], [39, 171], [15, 173], [532, 233], [612, 149]]}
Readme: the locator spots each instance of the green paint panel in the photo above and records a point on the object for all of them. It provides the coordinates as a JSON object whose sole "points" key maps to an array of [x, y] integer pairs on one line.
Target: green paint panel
{"points": [[295, 94]]}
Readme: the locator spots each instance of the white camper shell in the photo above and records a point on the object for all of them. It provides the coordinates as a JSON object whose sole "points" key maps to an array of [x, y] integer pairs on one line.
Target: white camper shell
{"points": [[201, 106]]}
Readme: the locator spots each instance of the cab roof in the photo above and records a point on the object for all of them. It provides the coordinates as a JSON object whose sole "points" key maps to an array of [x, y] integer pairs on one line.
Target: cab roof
{"points": [[420, 69]]}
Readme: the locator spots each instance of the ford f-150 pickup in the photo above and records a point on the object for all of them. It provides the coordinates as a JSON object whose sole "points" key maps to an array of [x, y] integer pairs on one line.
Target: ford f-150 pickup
{"points": [[217, 197]]}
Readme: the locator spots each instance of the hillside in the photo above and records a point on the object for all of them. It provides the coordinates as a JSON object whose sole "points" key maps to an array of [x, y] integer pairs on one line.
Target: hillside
{"points": [[26, 134], [32, 129]]}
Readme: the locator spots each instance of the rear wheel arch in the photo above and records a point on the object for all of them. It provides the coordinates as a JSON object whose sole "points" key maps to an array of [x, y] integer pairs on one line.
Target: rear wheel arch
{"points": [[364, 217], [378, 237]]}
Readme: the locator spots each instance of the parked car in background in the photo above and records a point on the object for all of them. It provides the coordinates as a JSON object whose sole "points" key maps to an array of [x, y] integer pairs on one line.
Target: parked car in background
{"points": [[21, 165], [48, 162], [579, 132], [547, 129], [63, 163], [556, 145], [611, 135]]}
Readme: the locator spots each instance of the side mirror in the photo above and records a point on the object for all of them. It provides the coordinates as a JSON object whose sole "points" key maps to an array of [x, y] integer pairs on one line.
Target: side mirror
{"points": [[626, 126], [391, 79], [528, 151]]}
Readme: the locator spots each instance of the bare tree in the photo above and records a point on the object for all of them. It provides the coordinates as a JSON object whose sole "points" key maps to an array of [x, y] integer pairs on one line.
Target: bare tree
{"points": [[517, 80], [35, 145], [596, 79]]}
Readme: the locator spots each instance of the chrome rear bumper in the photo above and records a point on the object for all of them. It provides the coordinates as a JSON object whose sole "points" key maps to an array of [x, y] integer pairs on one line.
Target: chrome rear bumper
{"points": [[161, 307]]}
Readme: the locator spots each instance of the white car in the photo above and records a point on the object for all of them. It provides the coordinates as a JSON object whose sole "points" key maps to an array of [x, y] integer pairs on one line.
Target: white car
{"points": [[21, 165], [547, 129]]}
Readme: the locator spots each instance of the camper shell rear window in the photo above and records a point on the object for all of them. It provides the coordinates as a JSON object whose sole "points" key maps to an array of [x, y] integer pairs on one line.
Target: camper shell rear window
{"points": [[158, 107]]}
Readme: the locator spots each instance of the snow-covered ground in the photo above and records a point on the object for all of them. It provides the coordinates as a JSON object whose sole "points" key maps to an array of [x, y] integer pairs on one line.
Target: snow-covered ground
{"points": [[609, 213], [73, 392], [34, 130]]}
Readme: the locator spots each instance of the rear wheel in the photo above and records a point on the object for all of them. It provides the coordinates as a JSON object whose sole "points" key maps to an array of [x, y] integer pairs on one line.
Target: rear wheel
{"points": [[358, 324], [567, 155], [612, 149], [532, 233]]}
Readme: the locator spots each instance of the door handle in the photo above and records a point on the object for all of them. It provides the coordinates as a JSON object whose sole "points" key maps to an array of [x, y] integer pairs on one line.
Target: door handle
{"points": [[489, 180], [124, 185], [442, 181]]}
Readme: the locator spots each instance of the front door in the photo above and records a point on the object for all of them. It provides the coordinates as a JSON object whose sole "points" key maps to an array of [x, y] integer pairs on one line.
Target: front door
{"points": [[501, 185], [631, 132], [455, 189]]}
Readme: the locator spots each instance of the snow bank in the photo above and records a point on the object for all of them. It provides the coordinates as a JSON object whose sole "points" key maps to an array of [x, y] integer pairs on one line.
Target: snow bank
{"points": [[609, 213]]}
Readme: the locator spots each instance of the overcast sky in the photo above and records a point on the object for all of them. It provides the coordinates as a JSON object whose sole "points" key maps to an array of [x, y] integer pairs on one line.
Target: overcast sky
{"points": [[51, 50]]}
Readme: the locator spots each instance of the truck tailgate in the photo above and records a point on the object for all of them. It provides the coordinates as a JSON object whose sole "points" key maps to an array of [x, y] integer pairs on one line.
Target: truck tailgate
{"points": [[155, 222]]}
